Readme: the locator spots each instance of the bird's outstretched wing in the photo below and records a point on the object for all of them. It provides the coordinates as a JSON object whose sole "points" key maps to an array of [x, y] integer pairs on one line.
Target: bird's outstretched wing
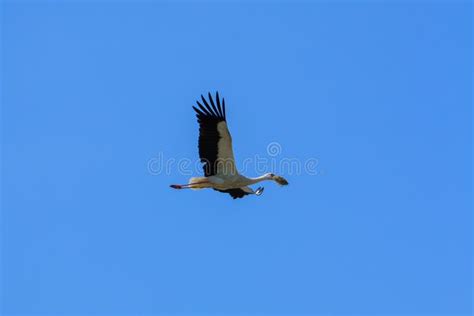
{"points": [[215, 142]]}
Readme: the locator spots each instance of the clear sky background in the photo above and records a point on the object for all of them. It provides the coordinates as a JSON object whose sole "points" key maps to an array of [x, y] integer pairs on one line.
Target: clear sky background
{"points": [[379, 94]]}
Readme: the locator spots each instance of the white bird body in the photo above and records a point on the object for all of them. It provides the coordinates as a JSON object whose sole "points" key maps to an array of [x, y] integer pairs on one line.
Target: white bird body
{"points": [[225, 182], [217, 155]]}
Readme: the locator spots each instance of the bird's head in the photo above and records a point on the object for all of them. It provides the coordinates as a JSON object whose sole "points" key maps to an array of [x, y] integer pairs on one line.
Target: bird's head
{"points": [[278, 179]]}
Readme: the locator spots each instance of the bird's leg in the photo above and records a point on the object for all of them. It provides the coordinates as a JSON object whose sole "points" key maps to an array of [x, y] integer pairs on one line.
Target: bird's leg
{"points": [[181, 186], [187, 186], [178, 186]]}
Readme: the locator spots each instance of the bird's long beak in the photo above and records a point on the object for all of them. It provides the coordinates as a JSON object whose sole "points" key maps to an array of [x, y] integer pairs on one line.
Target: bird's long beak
{"points": [[280, 180]]}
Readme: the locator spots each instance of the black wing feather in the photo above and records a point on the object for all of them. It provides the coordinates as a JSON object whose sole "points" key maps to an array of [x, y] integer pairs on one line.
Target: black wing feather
{"points": [[223, 107], [208, 135], [213, 105], [217, 100], [204, 109], [235, 193], [207, 106]]}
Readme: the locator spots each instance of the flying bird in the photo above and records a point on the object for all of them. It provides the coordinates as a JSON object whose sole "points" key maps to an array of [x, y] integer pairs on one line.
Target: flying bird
{"points": [[217, 155]]}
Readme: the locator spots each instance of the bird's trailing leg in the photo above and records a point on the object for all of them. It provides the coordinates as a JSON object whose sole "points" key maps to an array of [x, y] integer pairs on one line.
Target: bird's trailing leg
{"points": [[178, 186], [189, 185]]}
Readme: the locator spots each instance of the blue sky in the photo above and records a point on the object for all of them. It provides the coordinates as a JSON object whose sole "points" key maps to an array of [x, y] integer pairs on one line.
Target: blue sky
{"points": [[379, 94]]}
